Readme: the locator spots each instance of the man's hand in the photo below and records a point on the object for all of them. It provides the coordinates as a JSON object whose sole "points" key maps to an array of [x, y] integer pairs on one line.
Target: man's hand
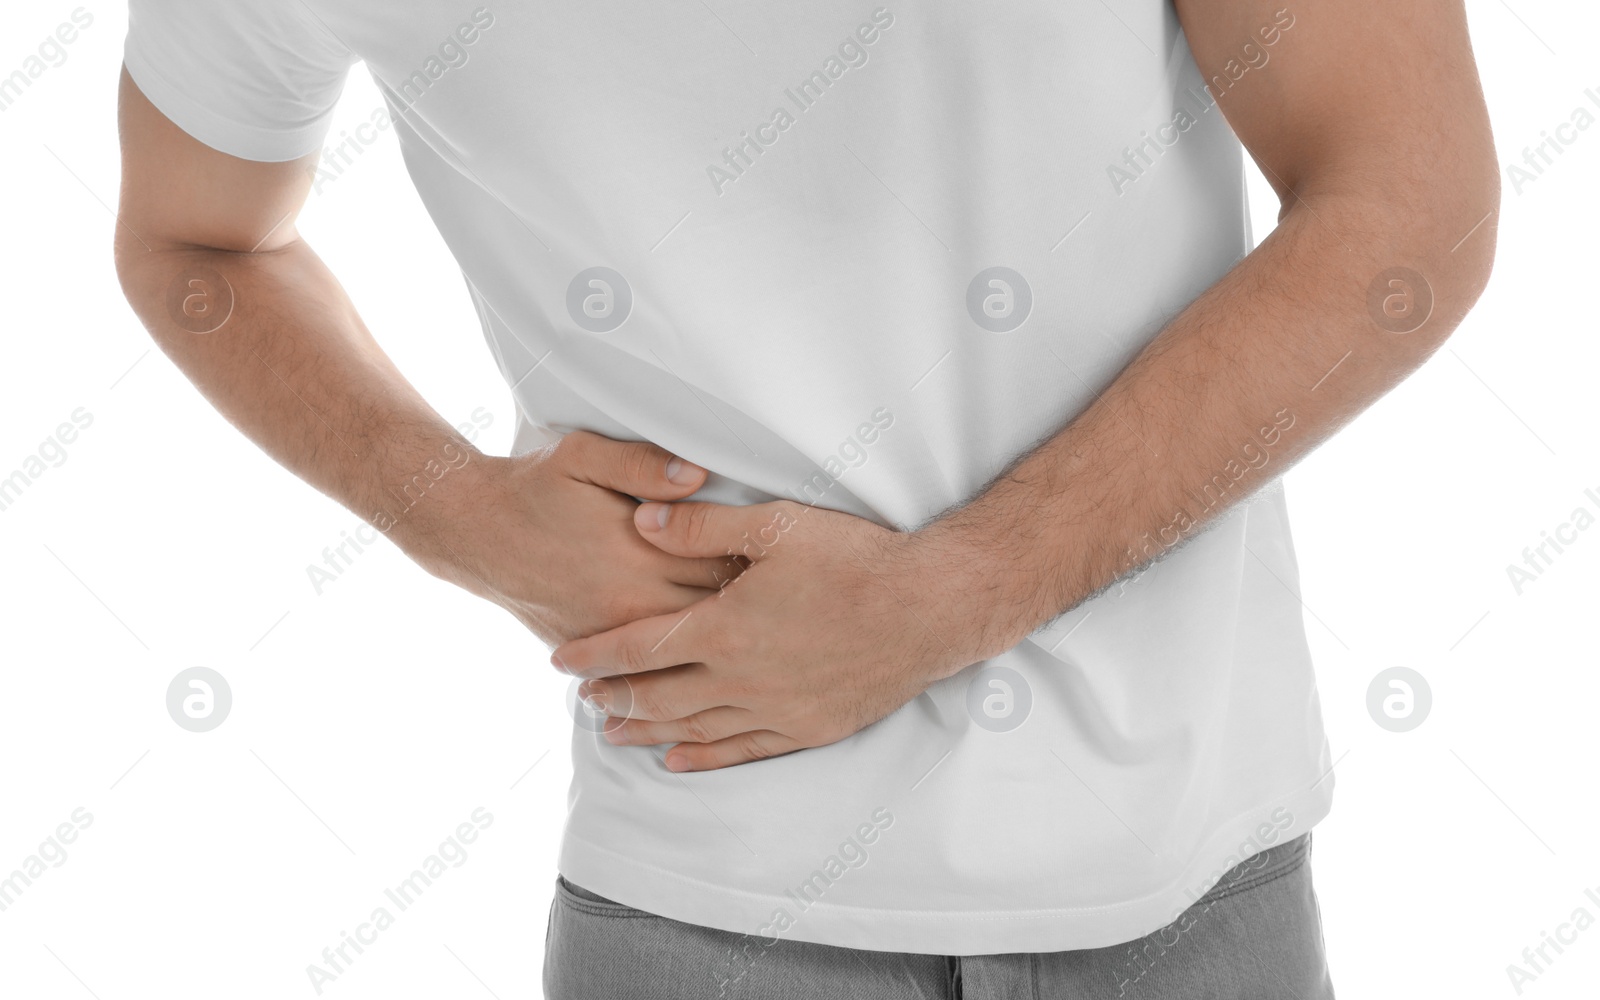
{"points": [[836, 623], [550, 536]]}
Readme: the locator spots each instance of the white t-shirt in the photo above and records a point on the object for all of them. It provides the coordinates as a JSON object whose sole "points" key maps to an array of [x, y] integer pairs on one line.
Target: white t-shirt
{"points": [[862, 257]]}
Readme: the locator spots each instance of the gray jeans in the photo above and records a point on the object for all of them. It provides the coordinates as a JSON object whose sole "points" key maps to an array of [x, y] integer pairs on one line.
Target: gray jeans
{"points": [[1256, 934]]}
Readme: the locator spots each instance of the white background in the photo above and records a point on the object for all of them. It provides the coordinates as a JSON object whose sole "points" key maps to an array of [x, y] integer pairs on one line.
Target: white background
{"points": [[370, 720]]}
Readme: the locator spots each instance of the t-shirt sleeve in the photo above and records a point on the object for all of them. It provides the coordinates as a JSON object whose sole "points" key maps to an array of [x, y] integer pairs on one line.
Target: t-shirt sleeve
{"points": [[257, 79]]}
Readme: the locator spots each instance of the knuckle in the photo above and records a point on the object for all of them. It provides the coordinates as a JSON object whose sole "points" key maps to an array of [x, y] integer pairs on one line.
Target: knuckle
{"points": [[750, 746], [576, 444], [570, 454], [644, 705], [633, 658], [786, 513], [639, 463], [696, 729], [636, 732], [697, 524]]}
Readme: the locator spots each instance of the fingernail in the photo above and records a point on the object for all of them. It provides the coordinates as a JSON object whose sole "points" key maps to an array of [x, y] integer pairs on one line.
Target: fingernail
{"points": [[677, 762], [652, 520], [616, 736], [555, 661], [682, 473]]}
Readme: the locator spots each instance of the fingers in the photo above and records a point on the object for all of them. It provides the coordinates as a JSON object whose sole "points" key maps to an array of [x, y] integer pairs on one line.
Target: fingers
{"points": [[710, 574], [656, 696], [701, 727], [663, 696], [637, 468], [740, 749], [676, 598], [638, 646], [709, 529]]}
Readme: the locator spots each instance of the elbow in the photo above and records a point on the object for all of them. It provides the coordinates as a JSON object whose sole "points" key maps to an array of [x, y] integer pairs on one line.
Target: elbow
{"points": [[1444, 231], [1458, 219], [1414, 224], [1470, 258], [131, 260], [134, 258]]}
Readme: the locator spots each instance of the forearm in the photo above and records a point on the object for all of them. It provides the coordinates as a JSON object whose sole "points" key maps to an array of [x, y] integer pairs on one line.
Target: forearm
{"points": [[293, 367], [1256, 372]]}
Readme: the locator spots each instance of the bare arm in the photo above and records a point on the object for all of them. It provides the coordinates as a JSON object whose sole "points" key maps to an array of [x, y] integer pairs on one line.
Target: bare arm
{"points": [[291, 364], [210, 259], [1370, 123]]}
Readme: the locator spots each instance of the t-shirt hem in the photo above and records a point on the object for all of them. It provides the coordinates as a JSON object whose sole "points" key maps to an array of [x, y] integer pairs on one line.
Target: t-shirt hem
{"points": [[679, 897], [226, 135]]}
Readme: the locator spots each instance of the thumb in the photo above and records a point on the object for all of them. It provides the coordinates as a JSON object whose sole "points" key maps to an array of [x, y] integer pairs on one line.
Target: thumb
{"points": [[699, 530]]}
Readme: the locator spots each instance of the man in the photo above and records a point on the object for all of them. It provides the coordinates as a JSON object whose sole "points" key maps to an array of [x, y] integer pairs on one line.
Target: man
{"points": [[902, 417]]}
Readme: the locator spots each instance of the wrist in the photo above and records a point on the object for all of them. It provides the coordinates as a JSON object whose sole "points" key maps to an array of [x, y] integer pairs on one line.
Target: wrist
{"points": [[425, 504], [986, 595]]}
